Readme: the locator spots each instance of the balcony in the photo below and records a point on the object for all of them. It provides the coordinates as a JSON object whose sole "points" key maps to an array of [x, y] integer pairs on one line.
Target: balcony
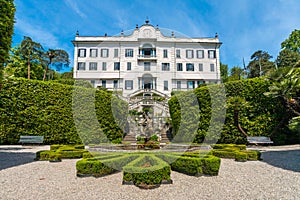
{"points": [[147, 57]]}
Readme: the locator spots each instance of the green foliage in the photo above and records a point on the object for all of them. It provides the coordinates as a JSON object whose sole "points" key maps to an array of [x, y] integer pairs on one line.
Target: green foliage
{"points": [[98, 166], [241, 157], [224, 72], [287, 58], [45, 108], [258, 117], [7, 13], [81, 83], [292, 42], [147, 169], [236, 73], [233, 151], [260, 64], [192, 164], [58, 152], [294, 127], [48, 155], [154, 138], [231, 146]]}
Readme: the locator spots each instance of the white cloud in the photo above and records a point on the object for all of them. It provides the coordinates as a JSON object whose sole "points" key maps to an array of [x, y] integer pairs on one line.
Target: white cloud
{"points": [[37, 33], [73, 5]]}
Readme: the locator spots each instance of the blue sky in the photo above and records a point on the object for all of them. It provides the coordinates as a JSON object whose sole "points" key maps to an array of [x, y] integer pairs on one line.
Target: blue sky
{"points": [[244, 26]]}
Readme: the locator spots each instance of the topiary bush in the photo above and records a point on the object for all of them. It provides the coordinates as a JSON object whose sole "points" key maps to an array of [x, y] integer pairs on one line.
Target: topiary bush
{"points": [[148, 170]]}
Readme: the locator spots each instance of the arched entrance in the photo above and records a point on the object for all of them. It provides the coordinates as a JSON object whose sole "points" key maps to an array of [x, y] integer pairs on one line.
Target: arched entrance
{"points": [[147, 82]]}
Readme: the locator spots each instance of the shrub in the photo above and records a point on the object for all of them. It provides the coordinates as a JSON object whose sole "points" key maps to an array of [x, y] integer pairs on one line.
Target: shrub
{"points": [[147, 169], [211, 165], [208, 165], [253, 155], [152, 145], [100, 166], [154, 138], [224, 153], [48, 155], [229, 146], [241, 157]]}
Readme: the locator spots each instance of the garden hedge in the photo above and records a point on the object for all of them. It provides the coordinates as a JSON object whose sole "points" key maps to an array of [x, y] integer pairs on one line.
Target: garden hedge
{"points": [[139, 172], [100, 166], [30, 107], [58, 152], [237, 152], [191, 165], [258, 117]]}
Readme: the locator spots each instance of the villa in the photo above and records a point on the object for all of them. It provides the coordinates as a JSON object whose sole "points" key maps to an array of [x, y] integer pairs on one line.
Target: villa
{"points": [[146, 59]]}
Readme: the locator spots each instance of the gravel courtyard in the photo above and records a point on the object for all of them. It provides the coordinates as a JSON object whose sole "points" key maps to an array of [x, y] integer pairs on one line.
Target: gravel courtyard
{"points": [[277, 176]]}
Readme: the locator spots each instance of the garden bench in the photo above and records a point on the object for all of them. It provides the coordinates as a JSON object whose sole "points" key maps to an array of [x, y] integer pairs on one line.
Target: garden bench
{"points": [[259, 140], [31, 139]]}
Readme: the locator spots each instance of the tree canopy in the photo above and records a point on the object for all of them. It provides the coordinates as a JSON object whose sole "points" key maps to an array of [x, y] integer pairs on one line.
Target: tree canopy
{"points": [[7, 13], [260, 64], [31, 60], [292, 42]]}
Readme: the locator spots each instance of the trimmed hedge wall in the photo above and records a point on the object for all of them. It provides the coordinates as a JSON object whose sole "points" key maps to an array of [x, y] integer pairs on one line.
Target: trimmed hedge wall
{"points": [[258, 118], [58, 152], [99, 167], [191, 165], [237, 152], [30, 107]]}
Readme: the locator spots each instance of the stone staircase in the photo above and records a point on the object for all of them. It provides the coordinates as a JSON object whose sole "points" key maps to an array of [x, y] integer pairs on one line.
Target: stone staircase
{"points": [[160, 112], [166, 135]]}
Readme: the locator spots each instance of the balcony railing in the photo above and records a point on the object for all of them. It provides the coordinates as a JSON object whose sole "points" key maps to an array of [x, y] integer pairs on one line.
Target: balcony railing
{"points": [[147, 57]]}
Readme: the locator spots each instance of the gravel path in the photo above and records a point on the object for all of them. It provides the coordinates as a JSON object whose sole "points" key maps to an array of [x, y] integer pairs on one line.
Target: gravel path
{"points": [[276, 177]]}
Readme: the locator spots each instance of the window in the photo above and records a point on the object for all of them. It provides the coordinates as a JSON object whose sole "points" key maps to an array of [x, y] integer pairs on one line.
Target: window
{"points": [[200, 67], [177, 53], [104, 66], [165, 85], [104, 53], [81, 53], [201, 82], [179, 66], [165, 66], [212, 67], [189, 54], [128, 52], [117, 66], [115, 83], [93, 53], [81, 66], [178, 84], [128, 84], [211, 54], [189, 67], [147, 66], [93, 66], [104, 83], [128, 66], [93, 83], [200, 53], [191, 84], [116, 53], [165, 53]]}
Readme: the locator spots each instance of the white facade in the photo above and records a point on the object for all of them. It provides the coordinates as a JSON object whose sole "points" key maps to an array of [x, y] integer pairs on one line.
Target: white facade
{"points": [[146, 59]]}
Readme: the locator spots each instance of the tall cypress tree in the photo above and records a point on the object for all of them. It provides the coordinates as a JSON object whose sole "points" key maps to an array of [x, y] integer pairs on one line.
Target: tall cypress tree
{"points": [[7, 14]]}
